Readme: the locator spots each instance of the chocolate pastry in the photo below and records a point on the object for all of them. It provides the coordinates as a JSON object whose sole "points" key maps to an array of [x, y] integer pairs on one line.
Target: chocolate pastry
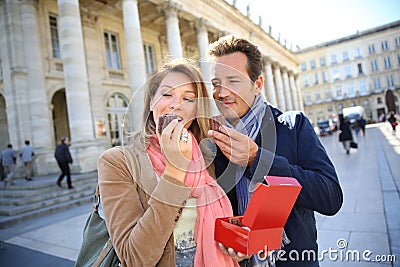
{"points": [[216, 122], [164, 120]]}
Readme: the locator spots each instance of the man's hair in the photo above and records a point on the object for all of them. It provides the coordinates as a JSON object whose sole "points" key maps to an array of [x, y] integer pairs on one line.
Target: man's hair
{"points": [[63, 139], [9, 146], [27, 142], [230, 44]]}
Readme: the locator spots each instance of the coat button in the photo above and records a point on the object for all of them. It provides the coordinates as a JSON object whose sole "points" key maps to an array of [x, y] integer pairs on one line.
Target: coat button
{"points": [[180, 210], [184, 203], [176, 218]]}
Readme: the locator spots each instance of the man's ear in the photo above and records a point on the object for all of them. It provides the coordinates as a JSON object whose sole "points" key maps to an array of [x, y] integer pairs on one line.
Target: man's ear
{"points": [[258, 84]]}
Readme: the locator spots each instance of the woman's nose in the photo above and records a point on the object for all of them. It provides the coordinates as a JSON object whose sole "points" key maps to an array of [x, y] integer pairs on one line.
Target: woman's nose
{"points": [[175, 102]]}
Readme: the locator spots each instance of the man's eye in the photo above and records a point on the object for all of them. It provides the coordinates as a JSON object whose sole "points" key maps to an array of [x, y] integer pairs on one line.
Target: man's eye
{"points": [[233, 81], [215, 84]]}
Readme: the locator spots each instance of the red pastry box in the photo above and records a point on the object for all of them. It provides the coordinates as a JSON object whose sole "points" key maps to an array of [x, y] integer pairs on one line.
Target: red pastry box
{"points": [[261, 227]]}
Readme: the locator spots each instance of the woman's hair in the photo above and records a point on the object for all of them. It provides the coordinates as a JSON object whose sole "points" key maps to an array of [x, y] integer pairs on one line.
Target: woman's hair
{"points": [[200, 124], [231, 44]]}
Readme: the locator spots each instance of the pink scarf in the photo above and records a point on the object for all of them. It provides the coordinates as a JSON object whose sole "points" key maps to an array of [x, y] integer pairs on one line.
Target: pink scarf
{"points": [[212, 203]]}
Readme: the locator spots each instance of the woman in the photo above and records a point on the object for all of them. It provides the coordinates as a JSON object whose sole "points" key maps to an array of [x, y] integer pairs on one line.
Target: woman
{"points": [[158, 199], [345, 136]]}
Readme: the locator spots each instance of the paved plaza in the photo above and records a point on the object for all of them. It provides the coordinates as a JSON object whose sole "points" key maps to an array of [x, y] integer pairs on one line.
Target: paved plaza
{"points": [[366, 231]]}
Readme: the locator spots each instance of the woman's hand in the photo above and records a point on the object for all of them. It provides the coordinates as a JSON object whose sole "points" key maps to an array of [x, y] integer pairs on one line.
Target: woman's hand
{"points": [[177, 151]]}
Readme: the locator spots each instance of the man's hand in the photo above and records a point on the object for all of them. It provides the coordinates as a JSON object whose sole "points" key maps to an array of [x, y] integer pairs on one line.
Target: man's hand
{"points": [[238, 148], [237, 256]]}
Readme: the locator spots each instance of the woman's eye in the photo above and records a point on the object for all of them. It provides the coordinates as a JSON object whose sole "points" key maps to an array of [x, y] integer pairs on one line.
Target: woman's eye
{"points": [[189, 99], [166, 94]]}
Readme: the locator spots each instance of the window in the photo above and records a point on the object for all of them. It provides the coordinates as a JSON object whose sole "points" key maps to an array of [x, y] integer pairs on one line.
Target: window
{"points": [[397, 40], [333, 59], [339, 91], [398, 59], [55, 44], [384, 45], [149, 58], [312, 64], [363, 88], [322, 61], [112, 51], [357, 53], [335, 74], [352, 104], [117, 105], [303, 66], [317, 96], [340, 106], [308, 97], [371, 49], [329, 108], [305, 81], [374, 65], [377, 83], [386, 61], [379, 100], [345, 56], [324, 76], [350, 90], [366, 102], [327, 93], [390, 82], [359, 66], [315, 78], [347, 70]]}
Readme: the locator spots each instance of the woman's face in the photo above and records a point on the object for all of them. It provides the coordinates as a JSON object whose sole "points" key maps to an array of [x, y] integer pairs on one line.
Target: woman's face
{"points": [[176, 95]]}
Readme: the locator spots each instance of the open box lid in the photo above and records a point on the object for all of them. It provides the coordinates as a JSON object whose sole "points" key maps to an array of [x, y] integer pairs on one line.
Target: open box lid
{"points": [[270, 205]]}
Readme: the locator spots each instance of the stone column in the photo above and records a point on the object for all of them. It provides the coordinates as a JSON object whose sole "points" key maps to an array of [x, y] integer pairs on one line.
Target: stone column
{"points": [[171, 10], [205, 66], [14, 73], [38, 103], [288, 97], [270, 84], [136, 61], [300, 95], [279, 88], [75, 72], [293, 89]]}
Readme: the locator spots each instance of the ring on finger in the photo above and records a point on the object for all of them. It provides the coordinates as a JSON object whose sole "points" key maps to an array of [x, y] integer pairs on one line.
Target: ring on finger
{"points": [[184, 137]]}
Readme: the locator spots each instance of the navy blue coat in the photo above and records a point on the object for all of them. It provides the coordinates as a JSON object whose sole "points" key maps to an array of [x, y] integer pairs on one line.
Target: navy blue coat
{"points": [[62, 154], [288, 146]]}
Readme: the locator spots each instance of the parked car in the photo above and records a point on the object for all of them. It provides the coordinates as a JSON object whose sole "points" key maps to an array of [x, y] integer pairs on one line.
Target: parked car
{"points": [[325, 128]]}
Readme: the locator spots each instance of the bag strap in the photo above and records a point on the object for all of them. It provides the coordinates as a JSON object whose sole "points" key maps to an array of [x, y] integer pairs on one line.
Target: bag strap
{"points": [[96, 199], [107, 248]]}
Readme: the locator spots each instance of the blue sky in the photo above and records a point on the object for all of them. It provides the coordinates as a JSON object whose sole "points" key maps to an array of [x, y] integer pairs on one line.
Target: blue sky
{"points": [[310, 22]]}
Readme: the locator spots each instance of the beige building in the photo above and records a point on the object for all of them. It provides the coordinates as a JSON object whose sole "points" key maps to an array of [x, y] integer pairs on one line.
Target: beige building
{"points": [[352, 71], [70, 67]]}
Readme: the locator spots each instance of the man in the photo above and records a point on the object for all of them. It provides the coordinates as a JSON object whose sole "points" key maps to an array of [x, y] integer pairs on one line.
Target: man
{"points": [[9, 160], [63, 157], [261, 140], [26, 153]]}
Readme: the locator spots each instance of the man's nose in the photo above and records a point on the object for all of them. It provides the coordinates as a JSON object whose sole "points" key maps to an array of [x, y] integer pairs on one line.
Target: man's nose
{"points": [[223, 92]]}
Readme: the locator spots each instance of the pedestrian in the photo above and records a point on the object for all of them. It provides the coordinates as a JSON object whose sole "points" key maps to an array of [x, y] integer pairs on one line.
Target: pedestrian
{"points": [[362, 123], [9, 161], [260, 140], [64, 159], [159, 200], [345, 136], [27, 155], [393, 121]]}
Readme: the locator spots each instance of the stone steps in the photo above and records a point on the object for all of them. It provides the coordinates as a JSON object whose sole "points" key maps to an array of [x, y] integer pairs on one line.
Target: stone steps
{"points": [[42, 196]]}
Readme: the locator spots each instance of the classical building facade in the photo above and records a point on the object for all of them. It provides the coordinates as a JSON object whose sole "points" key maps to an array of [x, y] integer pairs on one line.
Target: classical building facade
{"points": [[356, 70], [71, 67]]}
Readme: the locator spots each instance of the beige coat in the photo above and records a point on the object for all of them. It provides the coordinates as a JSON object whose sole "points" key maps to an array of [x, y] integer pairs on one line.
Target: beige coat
{"points": [[140, 212]]}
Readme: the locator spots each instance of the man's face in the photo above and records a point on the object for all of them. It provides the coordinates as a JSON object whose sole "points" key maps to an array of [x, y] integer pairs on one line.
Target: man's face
{"points": [[233, 90]]}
